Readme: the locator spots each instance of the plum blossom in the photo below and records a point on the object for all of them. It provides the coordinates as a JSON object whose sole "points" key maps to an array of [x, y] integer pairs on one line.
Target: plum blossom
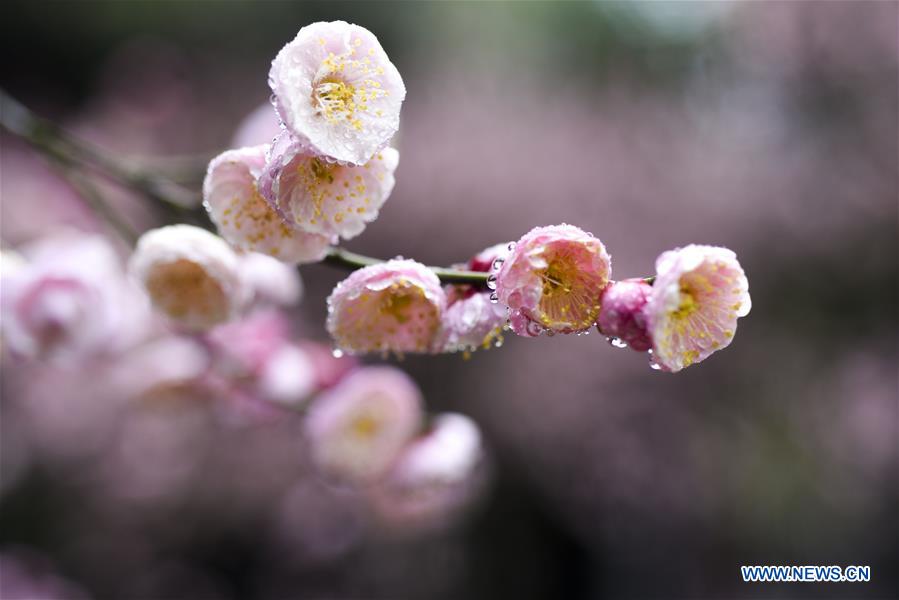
{"points": [[325, 198], [621, 315], [272, 282], [245, 219], [698, 295], [191, 276], [447, 454], [336, 90], [472, 320], [392, 306], [437, 475], [358, 428], [553, 280], [67, 299], [256, 353]]}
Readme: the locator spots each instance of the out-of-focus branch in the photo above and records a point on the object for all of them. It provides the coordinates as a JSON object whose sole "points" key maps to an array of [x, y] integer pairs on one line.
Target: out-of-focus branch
{"points": [[56, 143], [88, 192]]}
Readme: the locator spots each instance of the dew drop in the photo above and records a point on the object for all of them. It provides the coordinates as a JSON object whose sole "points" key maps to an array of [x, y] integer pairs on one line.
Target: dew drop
{"points": [[494, 298], [491, 282], [655, 366], [616, 342], [337, 353], [534, 329], [498, 263], [511, 246]]}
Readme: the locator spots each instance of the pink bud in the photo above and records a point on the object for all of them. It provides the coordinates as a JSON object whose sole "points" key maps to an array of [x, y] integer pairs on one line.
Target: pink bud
{"points": [[621, 315]]}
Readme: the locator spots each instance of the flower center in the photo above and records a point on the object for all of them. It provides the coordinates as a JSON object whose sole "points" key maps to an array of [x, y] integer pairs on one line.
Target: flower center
{"points": [[569, 295], [397, 306], [365, 426], [183, 289], [322, 170], [688, 304], [336, 101]]}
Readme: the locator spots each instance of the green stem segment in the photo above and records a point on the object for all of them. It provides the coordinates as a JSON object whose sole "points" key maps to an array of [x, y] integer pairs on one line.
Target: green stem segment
{"points": [[345, 259]]}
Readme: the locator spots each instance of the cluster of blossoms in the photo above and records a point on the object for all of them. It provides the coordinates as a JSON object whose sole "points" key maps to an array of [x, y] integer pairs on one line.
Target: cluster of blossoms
{"points": [[68, 302], [555, 279], [328, 172], [326, 175]]}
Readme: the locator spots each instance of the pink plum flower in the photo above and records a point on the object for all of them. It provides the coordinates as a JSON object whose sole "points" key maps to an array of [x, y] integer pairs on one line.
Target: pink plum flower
{"points": [[255, 353], [621, 315], [336, 90], [472, 320], [68, 299], [437, 475], [326, 198], [358, 428], [392, 306], [446, 454], [245, 219], [698, 294], [191, 276], [553, 279]]}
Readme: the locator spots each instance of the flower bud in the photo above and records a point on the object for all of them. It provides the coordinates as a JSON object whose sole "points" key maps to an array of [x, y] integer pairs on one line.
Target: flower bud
{"points": [[621, 315]]}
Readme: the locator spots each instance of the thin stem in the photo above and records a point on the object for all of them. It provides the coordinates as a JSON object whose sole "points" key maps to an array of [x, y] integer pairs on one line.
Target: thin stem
{"points": [[53, 141], [339, 257], [87, 191]]}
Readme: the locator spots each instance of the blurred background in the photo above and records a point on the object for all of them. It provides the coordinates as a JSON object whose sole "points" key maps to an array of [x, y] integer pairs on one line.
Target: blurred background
{"points": [[767, 127]]}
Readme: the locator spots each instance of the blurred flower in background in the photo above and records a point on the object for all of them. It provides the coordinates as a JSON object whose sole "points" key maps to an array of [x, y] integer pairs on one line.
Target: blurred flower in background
{"points": [[175, 465]]}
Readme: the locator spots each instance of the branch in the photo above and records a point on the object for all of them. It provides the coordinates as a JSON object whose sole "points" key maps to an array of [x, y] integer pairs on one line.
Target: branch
{"points": [[54, 142], [70, 151], [339, 257]]}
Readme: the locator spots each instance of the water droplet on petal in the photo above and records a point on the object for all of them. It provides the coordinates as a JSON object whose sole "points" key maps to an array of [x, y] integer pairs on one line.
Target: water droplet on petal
{"points": [[491, 282], [511, 246], [337, 353], [494, 298], [498, 263], [616, 342], [652, 363], [534, 329]]}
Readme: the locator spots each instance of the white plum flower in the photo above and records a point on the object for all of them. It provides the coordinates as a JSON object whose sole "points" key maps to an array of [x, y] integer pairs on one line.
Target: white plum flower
{"points": [[326, 198], [191, 276], [245, 219], [336, 89]]}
